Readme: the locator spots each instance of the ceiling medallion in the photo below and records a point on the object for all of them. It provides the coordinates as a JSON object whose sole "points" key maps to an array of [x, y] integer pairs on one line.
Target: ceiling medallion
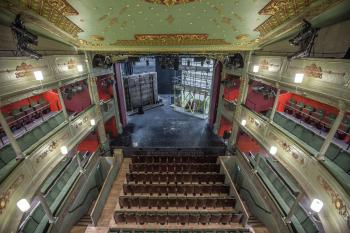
{"points": [[170, 2]]}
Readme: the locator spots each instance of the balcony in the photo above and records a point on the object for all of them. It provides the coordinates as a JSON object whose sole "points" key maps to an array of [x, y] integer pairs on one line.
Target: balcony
{"points": [[310, 173]]}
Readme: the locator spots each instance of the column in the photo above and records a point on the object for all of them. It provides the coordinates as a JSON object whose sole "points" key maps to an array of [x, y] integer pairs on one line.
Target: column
{"points": [[243, 92], [99, 117], [11, 137], [273, 111], [292, 210], [219, 109], [116, 109], [258, 159], [64, 110], [331, 133], [46, 208]]}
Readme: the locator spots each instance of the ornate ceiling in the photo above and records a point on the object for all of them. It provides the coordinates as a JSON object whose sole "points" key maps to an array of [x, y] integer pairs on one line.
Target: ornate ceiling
{"points": [[166, 25]]}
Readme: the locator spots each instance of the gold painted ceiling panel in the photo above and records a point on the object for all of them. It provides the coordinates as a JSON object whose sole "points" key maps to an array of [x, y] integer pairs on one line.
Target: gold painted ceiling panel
{"points": [[55, 11]]}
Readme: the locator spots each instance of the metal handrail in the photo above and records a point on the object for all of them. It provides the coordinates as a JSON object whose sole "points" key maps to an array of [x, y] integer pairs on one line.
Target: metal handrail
{"points": [[244, 210], [255, 203]]}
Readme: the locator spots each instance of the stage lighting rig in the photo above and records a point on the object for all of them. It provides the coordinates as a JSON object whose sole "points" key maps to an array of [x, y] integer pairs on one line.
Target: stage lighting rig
{"points": [[305, 40], [24, 38]]}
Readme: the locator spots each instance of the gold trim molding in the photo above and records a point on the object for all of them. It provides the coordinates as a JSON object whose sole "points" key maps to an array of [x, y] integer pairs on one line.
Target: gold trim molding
{"points": [[170, 40], [170, 2], [281, 11], [55, 11]]}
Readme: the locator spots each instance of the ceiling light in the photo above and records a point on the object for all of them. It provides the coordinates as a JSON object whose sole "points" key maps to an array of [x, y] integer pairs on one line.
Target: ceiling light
{"points": [[38, 75], [316, 205], [298, 77], [273, 150], [256, 69], [92, 122], [64, 150], [23, 205], [244, 122], [80, 68]]}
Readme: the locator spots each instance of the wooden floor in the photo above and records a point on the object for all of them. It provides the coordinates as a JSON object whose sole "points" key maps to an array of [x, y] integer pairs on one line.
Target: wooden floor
{"points": [[106, 220]]}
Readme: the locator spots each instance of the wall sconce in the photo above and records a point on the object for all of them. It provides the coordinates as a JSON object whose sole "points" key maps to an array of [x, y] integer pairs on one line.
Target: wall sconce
{"points": [[273, 150], [256, 69], [92, 122], [244, 122], [298, 78], [80, 68], [23, 205], [316, 205], [64, 150], [38, 75]]}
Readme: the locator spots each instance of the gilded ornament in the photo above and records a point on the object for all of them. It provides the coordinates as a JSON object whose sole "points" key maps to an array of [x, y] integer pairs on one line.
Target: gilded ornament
{"points": [[313, 71], [23, 70], [170, 2], [97, 38], [55, 11]]}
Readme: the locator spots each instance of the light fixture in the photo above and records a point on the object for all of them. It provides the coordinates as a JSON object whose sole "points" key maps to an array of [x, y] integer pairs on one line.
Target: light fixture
{"points": [[38, 75], [256, 69], [92, 122], [64, 150], [244, 122], [80, 68], [316, 205], [23, 205], [298, 78], [273, 150]]}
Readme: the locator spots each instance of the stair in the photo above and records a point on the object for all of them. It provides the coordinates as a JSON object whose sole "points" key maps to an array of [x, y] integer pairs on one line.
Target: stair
{"points": [[84, 221], [176, 191]]}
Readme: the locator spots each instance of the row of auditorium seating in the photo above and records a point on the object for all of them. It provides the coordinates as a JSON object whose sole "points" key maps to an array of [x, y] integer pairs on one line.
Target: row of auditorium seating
{"points": [[7, 155], [143, 217], [185, 189], [299, 131], [182, 230], [175, 202], [174, 178], [337, 159], [26, 113], [317, 117], [285, 198], [37, 221], [174, 159], [171, 167]]}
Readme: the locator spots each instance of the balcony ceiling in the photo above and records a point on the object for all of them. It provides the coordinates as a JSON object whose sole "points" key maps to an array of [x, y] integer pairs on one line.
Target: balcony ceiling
{"points": [[165, 25]]}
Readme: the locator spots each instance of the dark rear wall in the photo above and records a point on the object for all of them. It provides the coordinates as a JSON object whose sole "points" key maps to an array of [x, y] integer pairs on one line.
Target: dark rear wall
{"points": [[165, 79]]}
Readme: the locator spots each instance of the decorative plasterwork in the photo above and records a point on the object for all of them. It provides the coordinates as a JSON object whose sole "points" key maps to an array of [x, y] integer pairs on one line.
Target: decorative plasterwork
{"points": [[281, 11], [6, 195], [170, 2], [337, 201], [170, 40], [55, 11]]}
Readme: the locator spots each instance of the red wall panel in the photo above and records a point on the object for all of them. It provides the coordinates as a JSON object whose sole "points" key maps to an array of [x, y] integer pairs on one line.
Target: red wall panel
{"points": [[224, 125], [284, 98], [90, 143], [111, 127], [51, 97]]}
